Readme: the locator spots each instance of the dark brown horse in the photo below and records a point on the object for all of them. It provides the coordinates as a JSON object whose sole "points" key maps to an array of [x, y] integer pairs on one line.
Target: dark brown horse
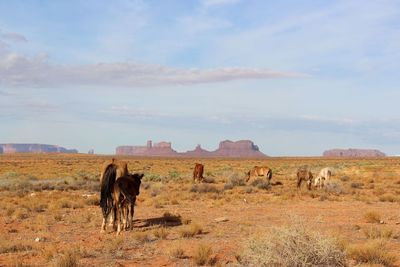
{"points": [[198, 172], [126, 188], [111, 171], [304, 174]]}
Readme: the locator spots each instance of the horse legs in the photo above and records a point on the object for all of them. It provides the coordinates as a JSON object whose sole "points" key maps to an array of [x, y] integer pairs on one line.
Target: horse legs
{"points": [[119, 213], [132, 211], [299, 180]]}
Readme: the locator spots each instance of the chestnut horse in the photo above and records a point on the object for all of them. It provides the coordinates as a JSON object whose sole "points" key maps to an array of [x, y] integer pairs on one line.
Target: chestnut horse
{"points": [[198, 172], [304, 174], [259, 172]]}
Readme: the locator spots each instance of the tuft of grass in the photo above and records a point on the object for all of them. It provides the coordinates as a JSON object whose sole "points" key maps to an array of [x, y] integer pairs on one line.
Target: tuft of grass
{"points": [[389, 198], [191, 230], [372, 252], [177, 252], [69, 259], [141, 237], [293, 245], [204, 188], [161, 233], [376, 233], [372, 217], [357, 185], [202, 254], [261, 184]]}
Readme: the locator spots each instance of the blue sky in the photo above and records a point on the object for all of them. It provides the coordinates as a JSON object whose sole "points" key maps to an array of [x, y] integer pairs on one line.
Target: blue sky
{"points": [[296, 77]]}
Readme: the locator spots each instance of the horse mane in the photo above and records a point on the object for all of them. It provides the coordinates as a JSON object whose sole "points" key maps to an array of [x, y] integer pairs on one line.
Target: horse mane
{"points": [[107, 184]]}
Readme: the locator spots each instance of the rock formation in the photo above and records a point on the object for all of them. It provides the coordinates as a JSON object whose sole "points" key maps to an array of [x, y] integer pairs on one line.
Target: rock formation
{"points": [[1, 150], [227, 148], [162, 149], [34, 148], [353, 153]]}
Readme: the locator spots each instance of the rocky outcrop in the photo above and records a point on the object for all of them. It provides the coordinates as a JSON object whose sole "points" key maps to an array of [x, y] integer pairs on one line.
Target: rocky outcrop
{"points": [[34, 148], [198, 152], [240, 149], [227, 148], [354, 153], [162, 149], [1, 150]]}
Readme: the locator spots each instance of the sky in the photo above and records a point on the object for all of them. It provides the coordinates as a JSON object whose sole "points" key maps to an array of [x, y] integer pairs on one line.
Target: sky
{"points": [[295, 77]]}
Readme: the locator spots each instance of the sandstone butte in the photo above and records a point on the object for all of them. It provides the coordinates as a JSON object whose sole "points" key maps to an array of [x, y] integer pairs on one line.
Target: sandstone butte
{"points": [[227, 148], [354, 153]]}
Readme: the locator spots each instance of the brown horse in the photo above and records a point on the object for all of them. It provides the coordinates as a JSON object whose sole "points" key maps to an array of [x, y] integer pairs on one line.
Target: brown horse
{"points": [[110, 173], [304, 174], [259, 172], [126, 188], [198, 172]]}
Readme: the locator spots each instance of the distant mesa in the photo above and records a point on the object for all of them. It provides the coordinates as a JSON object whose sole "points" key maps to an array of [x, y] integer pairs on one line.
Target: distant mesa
{"points": [[91, 151], [1, 150], [34, 148], [354, 153], [227, 148]]}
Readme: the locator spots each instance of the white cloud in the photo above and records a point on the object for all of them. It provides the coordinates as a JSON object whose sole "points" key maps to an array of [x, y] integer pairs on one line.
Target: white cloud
{"points": [[20, 71]]}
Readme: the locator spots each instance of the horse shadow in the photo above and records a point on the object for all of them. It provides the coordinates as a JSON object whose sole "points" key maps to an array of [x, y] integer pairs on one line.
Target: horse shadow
{"points": [[166, 221]]}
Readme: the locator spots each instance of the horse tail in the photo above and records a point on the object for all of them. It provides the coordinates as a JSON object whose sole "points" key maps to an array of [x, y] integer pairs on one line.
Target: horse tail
{"points": [[269, 175], [107, 185]]}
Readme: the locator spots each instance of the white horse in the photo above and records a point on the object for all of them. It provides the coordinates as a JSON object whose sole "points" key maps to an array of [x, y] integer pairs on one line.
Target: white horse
{"points": [[323, 177]]}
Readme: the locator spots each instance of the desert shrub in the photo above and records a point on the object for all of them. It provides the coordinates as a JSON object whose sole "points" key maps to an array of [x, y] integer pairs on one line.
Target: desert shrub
{"points": [[389, 198], [228, 186], [12, 247], [357, 185], [334, 187], [204, 188], [191, 230], [209, 180], [161, 233], [248, 189], [177, 252], [174, 175], [236, 180], [261, 184], [14, 181], [345, 178], [202, 254], [377, 233], [141, 237], [372, 217], [69, 259], [293, 245], [372, 252]]}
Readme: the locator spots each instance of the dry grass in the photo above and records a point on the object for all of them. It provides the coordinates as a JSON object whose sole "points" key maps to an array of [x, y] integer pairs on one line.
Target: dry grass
{"points": [[177, 252], [161, 233], [372, 252], [293, 245], [69, 259], [191, 230], [202, 255], [372, 217], [377, 233]]}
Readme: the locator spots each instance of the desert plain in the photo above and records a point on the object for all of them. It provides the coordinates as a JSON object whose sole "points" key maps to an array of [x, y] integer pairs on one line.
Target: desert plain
{"points": [[50, 214]]}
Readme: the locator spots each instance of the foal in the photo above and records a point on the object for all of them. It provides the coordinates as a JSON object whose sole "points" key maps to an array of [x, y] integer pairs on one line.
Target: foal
{"points": [[126, 188]]}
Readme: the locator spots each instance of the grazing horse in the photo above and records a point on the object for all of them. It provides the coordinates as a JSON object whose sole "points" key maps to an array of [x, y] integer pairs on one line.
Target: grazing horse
{"points": [[323, 177], [126, 188], [259, 172], [110, 173], [304, 174], [198, 172]]}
